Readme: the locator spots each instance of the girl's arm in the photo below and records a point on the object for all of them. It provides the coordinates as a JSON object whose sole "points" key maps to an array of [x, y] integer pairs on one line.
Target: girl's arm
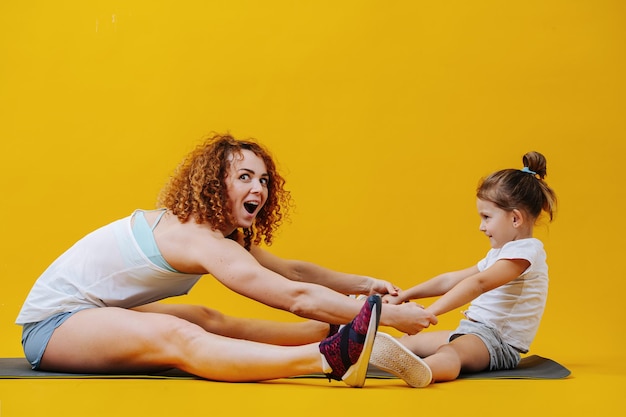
{"points": [[467, 289], [302, 271], [434, 287]]}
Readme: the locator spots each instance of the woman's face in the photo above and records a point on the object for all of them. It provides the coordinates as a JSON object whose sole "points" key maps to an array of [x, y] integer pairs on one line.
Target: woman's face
{"points": [[247, 185]]}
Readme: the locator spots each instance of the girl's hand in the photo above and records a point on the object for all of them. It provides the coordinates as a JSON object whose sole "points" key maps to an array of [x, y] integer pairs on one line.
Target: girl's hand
{"points": [[393, 299]]}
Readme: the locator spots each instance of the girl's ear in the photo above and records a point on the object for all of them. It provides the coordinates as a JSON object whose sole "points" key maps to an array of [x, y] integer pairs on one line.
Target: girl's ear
{"points": [[517, 218]]}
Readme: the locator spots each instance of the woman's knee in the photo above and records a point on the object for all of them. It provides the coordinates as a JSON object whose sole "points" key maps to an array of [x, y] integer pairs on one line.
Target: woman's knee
{"points": [[106, 338], [207, 315], [167, 329]]}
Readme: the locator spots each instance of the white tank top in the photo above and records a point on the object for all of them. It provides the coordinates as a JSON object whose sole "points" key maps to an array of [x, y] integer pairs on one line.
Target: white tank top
{"points": [[106, 268]]}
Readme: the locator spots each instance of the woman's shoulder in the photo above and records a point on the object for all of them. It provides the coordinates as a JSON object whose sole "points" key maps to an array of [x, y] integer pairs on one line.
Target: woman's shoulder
{"points": [[189, 240]]}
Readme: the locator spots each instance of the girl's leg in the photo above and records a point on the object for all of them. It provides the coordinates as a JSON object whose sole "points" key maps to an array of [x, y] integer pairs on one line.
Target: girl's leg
{"points": [[443, 361], [425, 343], [467, 353], [264, 331]]}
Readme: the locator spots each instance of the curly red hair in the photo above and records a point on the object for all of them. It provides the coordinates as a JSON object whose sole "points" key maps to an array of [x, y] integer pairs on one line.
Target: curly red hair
{"points": [[198, 189]]}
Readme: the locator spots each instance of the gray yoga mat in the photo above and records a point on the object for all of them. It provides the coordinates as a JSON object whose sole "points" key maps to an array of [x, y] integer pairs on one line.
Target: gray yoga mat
{"points": [[530, 367]]}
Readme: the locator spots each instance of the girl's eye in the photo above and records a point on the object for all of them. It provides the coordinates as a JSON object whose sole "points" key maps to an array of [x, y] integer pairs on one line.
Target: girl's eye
{"points": [[244, 177], [265, 181]]}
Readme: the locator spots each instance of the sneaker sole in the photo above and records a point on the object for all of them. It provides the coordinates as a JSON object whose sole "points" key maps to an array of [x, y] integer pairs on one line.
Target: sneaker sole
{"points": [[391, 356], [355, 376]]}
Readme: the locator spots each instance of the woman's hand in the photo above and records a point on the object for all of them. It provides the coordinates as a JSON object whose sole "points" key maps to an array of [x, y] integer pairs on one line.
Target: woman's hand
{"points": [[379, 286], [409, 318]]}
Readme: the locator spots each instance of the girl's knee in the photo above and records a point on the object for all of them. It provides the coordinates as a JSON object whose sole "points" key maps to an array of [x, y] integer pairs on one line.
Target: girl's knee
{"points": [[445, 363]]}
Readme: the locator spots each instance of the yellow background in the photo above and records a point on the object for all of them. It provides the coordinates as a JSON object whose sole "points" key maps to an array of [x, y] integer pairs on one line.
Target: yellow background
{"points": [[383, 117]]}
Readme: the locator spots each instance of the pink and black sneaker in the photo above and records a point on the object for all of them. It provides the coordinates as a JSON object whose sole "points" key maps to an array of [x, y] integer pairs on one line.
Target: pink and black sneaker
{"points": [[348, 351]]}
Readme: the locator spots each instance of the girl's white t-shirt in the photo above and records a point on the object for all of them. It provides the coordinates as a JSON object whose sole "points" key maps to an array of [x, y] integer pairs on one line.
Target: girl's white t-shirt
{"points": [[515, 308]]}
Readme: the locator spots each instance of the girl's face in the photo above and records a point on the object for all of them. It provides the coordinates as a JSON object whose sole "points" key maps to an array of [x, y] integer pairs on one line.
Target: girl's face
{"points": [[500, 226], [247, 184]]}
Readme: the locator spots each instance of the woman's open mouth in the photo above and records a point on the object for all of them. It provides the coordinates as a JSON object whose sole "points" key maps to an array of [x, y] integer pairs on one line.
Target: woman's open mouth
{"points": [[251, 206]]}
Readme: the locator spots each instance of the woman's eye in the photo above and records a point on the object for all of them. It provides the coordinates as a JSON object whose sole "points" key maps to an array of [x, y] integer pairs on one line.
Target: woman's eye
{"points": [[265, 181], [244, 177]]}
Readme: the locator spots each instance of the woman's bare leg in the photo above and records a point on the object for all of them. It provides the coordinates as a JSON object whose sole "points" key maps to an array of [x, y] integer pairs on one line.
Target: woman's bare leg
{"points": [[117, 340], [264, 331]]}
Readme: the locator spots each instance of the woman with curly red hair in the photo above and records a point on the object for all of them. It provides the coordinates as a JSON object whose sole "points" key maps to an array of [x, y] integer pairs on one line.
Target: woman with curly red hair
{"points": [[96, 309]]}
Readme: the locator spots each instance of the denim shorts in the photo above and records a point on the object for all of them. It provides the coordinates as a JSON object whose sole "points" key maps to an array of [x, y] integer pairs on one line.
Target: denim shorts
{"points": [[35, 336], [501, 354]]}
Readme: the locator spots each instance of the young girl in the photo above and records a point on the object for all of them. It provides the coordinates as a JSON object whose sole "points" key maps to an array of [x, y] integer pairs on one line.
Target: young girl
{"points": [[507, 289]]}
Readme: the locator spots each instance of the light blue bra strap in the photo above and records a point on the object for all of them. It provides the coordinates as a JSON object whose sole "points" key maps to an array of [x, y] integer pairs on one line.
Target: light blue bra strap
{"points": [[158, 219], [145, 239]]}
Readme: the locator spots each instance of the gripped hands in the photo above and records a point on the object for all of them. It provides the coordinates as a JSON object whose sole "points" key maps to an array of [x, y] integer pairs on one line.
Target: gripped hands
{"points": [[409, 318]]}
